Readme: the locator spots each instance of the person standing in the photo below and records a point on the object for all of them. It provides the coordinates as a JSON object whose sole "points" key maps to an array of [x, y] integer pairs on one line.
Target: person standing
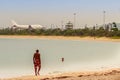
{"points": [[62, 59], [37, 62]]}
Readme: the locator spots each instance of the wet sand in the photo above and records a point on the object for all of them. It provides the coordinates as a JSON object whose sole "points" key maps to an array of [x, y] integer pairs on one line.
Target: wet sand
{"points": [[113, 74]]}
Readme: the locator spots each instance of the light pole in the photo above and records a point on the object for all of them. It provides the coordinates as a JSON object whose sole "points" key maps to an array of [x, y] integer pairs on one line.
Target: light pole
{"points": [[74, 20], [104, 16], [62, 24]]}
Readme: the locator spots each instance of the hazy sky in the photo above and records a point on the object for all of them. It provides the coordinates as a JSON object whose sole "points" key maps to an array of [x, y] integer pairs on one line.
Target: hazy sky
{"points": [[47, 12]]}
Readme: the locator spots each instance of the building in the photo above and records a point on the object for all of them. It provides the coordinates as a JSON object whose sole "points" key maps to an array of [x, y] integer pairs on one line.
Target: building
{"points": [[69, 25], [109, 26]]}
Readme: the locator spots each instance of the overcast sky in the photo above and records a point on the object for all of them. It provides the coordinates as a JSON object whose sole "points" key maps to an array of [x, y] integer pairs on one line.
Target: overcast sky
{"points": [[47, 12]]}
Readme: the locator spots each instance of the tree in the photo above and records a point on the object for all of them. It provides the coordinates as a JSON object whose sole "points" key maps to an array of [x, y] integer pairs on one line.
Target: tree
{"points": [[114, 24]]}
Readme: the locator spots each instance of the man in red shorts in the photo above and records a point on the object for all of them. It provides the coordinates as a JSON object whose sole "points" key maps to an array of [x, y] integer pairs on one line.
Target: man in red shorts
{"points": [[37, 62]]}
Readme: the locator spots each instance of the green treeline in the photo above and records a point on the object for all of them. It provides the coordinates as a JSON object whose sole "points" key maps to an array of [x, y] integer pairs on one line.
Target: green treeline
{"points": [[100, 32]]}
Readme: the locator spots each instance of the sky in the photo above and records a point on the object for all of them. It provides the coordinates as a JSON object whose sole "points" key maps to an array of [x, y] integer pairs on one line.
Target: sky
{"points": [[58, 12]]}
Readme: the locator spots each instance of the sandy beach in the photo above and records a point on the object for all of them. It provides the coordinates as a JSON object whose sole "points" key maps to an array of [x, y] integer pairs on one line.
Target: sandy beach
{"points": [[113, 74], [60, 38]]}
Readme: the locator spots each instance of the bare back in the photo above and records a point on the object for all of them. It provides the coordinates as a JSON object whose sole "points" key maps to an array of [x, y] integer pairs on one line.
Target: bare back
{"points": [[36, 58]]}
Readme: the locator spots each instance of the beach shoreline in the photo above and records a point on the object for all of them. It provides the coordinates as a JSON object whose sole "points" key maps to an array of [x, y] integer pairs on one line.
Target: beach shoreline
{"points": [[111, 74], [60, 38]]}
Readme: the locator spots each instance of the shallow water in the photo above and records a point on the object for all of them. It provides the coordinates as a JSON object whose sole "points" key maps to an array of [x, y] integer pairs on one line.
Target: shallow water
{"points": [[16, 56]]}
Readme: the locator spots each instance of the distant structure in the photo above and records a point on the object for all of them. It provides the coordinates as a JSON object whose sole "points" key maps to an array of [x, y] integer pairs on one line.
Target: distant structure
{"points": [[109, 26], [69, 25], [104, 17], [74, 20], [16, 26]]}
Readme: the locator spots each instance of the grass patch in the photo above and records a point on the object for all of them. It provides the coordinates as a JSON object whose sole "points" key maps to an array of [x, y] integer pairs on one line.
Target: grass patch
{"points": [[115, 37]]}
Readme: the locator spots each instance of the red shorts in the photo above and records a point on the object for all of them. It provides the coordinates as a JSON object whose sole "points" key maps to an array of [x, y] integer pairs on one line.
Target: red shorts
{"points": [[36, 63]]}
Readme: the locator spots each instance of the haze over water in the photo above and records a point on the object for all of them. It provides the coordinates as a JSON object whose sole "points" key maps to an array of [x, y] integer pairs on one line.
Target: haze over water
{"points": [[16, 56]]}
